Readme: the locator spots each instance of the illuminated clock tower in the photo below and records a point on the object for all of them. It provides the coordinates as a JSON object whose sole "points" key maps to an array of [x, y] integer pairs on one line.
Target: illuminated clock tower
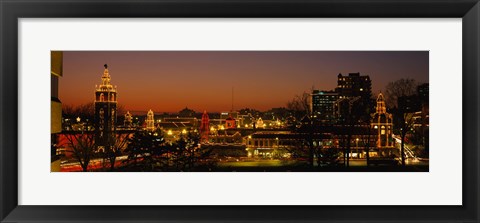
{"points": [[105, 113]]}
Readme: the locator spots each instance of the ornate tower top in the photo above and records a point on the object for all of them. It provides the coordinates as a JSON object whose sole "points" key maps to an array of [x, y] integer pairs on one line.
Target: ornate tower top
{"points": [[381, 108], [106, 76], [106, 85]]}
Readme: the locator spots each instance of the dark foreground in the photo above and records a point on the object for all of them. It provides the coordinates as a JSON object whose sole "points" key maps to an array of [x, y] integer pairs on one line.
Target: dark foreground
{"points": [[237, 165]]}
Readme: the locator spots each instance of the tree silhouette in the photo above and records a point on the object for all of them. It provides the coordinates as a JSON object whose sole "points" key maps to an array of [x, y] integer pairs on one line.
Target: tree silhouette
{"points": [[186, 152], [84, 111], [402, 117], [300, 105], [145, 150], [82, 147], [397, 89], [115, 150], [404, 123]]}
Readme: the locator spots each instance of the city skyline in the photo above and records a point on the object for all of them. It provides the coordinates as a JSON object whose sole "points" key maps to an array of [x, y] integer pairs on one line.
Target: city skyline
{"points": [[168, 81]]}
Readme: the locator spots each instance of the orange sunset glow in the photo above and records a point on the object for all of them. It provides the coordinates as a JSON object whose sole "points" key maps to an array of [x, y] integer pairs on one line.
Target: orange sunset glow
{"points": [[168, 81]]}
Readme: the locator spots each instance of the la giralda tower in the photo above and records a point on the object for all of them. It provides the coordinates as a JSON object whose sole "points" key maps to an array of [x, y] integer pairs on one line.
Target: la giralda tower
{"points": [[105, 113]]}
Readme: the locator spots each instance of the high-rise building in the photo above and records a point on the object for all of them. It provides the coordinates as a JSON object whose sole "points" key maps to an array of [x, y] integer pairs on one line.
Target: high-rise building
{"points": [[323, 105], [105, 112], [423, 93], [355, 85], [409, 103]]}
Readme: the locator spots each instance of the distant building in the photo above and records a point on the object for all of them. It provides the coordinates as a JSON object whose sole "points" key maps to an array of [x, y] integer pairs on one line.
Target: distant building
{"points": [[173, 130], [415, 102], [230, 123], [239, 119], [225, 115], [345, 107], [186, 112], [205, 127], [323, 105], [128, 120], [174, 127], [423, 92], [105, 112], [421, 127], [352, 86], [382, 123], [227, 137], [421, 117], [150, 121], [259, 123], [191, 120], [409, 103]]}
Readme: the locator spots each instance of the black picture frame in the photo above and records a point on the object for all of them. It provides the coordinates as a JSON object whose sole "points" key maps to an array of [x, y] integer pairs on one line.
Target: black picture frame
{"points": [[11, 11]]}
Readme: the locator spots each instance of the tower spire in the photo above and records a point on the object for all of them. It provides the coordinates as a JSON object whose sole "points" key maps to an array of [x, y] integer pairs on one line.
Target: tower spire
{"points": [[106, 76], [381, 108]]}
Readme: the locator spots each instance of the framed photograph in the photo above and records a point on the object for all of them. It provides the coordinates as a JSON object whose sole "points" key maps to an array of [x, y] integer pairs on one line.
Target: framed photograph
{"points": [[177, 111]]}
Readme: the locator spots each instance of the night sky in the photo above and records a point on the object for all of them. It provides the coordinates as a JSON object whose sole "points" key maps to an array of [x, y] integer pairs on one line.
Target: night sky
{"points": [[168, 81]]}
